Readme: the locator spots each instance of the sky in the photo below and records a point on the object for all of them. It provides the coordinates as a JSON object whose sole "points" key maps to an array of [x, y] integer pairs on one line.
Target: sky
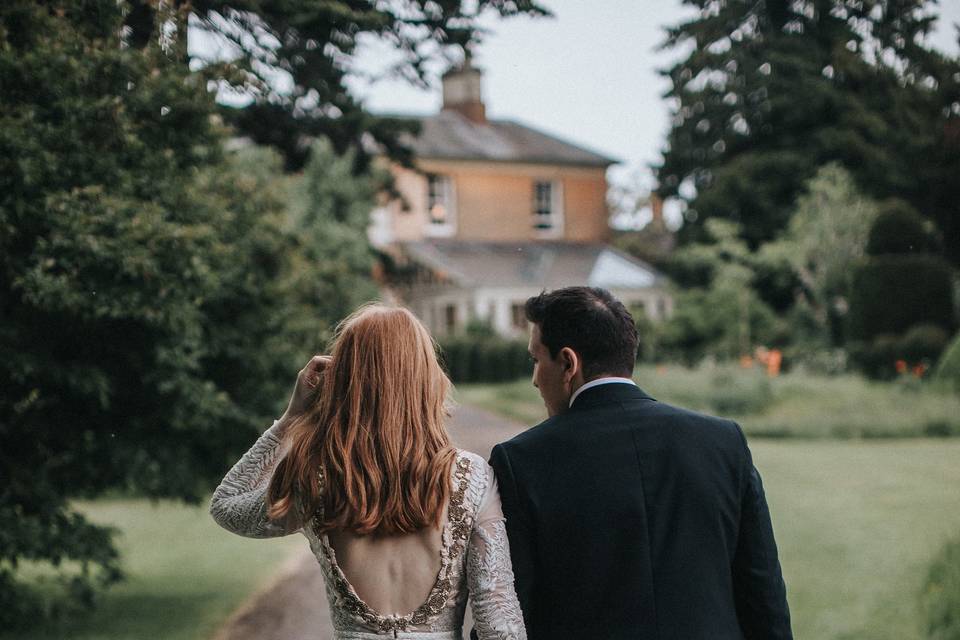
{"points": [[587, 75]]}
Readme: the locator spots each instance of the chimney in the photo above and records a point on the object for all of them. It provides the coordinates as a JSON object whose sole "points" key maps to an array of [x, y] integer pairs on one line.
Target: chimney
{"points": [[461, 91], [656, 208]]}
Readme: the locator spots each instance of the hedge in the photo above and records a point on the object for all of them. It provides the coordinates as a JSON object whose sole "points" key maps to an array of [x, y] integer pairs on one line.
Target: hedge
{"points": [[899, 229], [892, 293], [471, 359]]}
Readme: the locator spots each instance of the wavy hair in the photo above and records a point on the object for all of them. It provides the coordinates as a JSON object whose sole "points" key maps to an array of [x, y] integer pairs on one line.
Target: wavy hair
{"points": [[376, 432]]}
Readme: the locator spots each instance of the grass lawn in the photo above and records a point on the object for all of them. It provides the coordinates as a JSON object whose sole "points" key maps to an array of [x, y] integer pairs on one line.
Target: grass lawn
{"points": [[858, 523], [185, 575], [792, 405]]}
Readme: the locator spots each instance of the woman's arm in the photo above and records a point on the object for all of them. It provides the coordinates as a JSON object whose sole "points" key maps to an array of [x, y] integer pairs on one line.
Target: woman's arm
{"points": [[496, 610], [239, 503]]}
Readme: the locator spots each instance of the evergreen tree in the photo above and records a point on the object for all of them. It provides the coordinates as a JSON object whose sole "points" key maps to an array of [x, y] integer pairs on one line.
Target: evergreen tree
{"points": [[773, 90]]}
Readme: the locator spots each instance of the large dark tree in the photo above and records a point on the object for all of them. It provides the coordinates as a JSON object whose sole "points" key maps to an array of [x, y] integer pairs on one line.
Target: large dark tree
{"points": [[774, 89], [312, 43], [156, 293]]}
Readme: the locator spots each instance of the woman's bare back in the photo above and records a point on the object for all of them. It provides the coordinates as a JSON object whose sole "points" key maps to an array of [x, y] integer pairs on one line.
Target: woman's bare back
{"points": [[393, 574]]}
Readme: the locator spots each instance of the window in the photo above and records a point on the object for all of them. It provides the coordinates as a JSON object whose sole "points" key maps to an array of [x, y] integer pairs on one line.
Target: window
{"points": [[440, 209], [517, 316], [547, 215], [450, 318]]}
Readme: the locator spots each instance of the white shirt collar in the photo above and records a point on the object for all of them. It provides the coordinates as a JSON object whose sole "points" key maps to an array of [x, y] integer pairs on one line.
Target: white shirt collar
{"points": [[597, 383]]}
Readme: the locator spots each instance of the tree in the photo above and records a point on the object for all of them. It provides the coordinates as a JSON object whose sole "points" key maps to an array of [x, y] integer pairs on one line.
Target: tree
{"points": [[773, 90], [330, 214], [102, 260], [824, 240], [156, 294], [719, 312], [311, 45]]}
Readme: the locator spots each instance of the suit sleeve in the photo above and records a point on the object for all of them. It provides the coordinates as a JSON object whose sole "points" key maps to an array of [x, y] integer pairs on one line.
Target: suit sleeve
{"points": [[759, 590], [519, 532]]}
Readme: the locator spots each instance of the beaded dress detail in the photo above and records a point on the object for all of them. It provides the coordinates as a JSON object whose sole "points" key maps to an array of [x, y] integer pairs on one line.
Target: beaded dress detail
{"points": [[474, 555]]}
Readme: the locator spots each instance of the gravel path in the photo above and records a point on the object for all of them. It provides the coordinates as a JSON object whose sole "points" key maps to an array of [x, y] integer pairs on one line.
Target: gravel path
{"points": [[293, 605]]}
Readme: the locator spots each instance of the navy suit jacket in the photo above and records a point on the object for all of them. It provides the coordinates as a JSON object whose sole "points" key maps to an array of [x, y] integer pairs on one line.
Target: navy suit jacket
{"points": [[631, 518]]}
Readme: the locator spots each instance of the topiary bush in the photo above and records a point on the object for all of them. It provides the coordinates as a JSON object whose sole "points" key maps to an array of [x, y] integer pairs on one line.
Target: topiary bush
{"points": [[892, 293], [940, 598], [899, 229]]}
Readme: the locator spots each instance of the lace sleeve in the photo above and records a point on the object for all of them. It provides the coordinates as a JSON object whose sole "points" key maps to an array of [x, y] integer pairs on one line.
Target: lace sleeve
{"points": [[238, 504], [496, 611]]}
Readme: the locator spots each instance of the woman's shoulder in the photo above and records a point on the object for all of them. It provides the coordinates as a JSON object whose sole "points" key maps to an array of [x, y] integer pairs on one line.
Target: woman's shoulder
{"points": [[474, 466], [475, 461], [472, 476]]}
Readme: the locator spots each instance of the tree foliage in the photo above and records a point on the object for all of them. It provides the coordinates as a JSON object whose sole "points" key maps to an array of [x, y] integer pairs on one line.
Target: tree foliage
{"points": [[311, 45], [824, 240], [771, 91], [156, 294], [719, 312]]}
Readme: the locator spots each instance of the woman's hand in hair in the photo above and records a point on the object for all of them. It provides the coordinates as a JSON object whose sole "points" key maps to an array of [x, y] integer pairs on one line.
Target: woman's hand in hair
{"points": [[305, 390]]}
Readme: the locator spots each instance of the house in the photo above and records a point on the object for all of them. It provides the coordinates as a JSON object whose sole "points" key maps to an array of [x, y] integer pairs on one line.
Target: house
{"points": [[493, 213]]}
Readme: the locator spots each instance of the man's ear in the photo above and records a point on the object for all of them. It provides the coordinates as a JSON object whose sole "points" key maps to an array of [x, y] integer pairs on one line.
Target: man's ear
{"points": [[571, 363]]}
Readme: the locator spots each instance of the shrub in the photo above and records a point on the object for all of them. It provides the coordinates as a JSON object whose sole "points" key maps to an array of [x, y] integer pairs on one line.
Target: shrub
{"points": [[485, 359], [948, 368], [892, 293], [921, 345], [940, 599], [899, 229], [739, 395]]}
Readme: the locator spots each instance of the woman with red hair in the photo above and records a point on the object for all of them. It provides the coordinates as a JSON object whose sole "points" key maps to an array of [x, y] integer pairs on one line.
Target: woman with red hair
{"points": [[404, 525]]}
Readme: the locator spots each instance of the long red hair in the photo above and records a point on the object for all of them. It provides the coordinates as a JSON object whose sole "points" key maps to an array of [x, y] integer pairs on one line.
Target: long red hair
{"points": [[376, 432]]}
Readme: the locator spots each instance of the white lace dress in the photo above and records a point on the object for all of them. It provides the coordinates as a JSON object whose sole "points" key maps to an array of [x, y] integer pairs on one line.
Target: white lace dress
{"points": [[474, 556]]}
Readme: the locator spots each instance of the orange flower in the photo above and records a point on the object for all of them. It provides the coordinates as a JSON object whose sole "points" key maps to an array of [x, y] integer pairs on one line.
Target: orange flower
{"points": [[919, 370], [901, 366]]}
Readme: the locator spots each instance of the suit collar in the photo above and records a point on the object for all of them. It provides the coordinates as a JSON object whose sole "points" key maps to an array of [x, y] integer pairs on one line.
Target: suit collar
{"points": [[608, 393]]}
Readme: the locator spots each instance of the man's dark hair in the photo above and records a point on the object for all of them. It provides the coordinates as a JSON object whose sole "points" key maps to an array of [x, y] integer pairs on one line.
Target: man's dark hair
{"points": [[590, 321]]}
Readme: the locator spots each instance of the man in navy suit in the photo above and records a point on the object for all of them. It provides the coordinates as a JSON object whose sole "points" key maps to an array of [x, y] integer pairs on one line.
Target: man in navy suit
{"points": [[628, 517]]}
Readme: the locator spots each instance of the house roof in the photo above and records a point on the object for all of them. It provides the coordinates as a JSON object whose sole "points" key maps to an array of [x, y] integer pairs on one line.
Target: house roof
{"points": [[448, 135], [544, 265]]}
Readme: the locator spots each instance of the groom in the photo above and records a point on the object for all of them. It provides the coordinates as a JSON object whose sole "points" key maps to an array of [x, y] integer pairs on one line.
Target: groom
{"points": [[627, 517]]}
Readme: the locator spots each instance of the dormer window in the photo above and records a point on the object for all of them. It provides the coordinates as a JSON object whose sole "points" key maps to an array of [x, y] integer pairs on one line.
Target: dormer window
{"points": [[547, 208], [441, 214]]}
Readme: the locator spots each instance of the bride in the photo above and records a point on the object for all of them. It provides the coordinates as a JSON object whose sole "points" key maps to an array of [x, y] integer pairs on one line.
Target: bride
{"points": [[403, 525]]}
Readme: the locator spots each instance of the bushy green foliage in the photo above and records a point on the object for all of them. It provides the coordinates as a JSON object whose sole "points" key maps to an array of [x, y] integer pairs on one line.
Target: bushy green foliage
{"points": [[892, 293], [103, 268], [485, 359], [824, 239], [940, 599], [722, 315], [329, 216], [948, 368], [156, 297], [900, 229], [918, 347]]}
